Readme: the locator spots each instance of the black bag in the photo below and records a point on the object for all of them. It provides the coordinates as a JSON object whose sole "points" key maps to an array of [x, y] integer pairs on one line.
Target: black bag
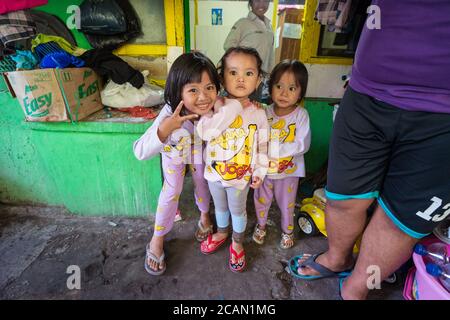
{"points": [[111, 42], [102, 17]]}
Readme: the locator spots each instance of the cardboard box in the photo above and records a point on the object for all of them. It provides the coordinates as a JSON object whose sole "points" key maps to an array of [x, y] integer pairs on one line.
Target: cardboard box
{"points": [[69, 94]]}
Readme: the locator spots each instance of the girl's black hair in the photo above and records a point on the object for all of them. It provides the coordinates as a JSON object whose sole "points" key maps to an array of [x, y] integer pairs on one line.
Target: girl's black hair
{"points": [[188, 68], [244, 50], [299, 71]]}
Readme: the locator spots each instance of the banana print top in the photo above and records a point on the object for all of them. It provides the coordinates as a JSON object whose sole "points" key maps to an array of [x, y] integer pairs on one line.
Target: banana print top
{"points": [[236, 143], [181, 145], [290, 138]]}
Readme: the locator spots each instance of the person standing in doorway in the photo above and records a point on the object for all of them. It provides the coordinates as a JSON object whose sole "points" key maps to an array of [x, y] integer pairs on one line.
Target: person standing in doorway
{"points": [[255, 31]]}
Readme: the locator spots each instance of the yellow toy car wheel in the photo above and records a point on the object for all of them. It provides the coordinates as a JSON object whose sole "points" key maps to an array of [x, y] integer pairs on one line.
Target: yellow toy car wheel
{"points": [[306, 224]]}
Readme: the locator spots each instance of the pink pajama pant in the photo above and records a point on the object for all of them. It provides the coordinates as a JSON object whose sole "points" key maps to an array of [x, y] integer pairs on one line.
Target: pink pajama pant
{"points": [[170, 193], [285, 191]]}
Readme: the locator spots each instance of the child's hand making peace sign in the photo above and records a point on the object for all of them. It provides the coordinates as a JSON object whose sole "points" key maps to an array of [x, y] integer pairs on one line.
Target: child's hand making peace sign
{"points": [[175, 121]]}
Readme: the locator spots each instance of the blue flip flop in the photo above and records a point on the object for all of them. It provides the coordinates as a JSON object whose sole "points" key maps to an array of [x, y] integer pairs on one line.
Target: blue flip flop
{"points": [[341, 281], [311, 263]]}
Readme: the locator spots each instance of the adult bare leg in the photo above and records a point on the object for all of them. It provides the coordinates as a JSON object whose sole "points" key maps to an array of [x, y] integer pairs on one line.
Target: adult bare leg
{"points": [[383, 245], [345, 221]]}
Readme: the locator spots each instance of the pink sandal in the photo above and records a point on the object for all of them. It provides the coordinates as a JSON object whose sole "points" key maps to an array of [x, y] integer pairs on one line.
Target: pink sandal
{"points": [[236, 267]]}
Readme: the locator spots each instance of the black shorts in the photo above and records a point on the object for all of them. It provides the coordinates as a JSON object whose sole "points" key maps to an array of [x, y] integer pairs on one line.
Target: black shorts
{"points": [[400, 157]]}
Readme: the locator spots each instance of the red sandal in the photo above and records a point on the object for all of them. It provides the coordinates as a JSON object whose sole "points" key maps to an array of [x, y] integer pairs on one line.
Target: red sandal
{"points": [[210, 246], [236, 267]]}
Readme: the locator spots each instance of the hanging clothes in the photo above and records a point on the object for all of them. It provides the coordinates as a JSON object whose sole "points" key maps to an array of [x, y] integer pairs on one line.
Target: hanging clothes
{"points": [[333, 13], [15, 26]]}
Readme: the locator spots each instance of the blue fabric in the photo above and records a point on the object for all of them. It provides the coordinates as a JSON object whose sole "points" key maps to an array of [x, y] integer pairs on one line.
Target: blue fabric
{"points": [[337, 196], [222, 219], [239, 222], [60, 59], [24, 59], [45, 48]]}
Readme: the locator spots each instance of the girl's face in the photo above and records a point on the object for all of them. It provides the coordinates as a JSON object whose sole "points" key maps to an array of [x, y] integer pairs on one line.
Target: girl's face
{"points": [[259, 7], [286, 92], [241, 76], [199, 97]]}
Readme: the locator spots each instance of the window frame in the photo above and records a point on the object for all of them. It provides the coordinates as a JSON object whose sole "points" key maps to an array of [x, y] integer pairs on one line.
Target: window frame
{"points": [[174, 21], [310, 39]]}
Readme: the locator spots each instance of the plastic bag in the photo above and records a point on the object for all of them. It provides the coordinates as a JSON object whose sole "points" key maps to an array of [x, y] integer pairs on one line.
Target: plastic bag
{"points": [[126, 96], [113, 41], [103, 17]]}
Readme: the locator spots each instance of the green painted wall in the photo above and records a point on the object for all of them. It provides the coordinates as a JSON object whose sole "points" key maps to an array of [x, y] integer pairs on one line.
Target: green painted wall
{"points": [[321, 123], [59, 9], [87, 167]]}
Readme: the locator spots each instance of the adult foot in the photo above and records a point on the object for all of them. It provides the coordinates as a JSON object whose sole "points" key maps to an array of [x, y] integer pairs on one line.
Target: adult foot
{"points": [[324, 260]]}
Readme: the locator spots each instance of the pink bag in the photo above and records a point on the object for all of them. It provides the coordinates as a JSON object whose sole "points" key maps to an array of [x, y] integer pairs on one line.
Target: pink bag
{"points": [[8, 5], [410, 289]]}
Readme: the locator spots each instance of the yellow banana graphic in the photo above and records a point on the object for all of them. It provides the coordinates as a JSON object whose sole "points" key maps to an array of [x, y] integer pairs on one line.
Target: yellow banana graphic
{"points": [[184, 141], [279, 125], [239, 164], [291, 134], [159, 228], [291, 170], [237, 123], [167, 148]]}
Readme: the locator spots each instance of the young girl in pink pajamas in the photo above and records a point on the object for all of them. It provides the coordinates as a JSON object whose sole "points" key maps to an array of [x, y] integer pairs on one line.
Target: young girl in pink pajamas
{"points": [[236, 152], [191, 91], [290, 138]]}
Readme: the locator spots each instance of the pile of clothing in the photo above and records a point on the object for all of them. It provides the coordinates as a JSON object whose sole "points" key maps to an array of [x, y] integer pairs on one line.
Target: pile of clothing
{"points": [[24, 47]]}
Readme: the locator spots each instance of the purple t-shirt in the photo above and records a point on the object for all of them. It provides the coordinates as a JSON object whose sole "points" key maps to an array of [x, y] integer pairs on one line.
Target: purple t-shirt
{"points": [[406, 63]]}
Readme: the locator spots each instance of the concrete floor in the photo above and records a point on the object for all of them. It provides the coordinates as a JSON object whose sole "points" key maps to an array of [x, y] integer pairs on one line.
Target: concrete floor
{"points": [[38, 244]]}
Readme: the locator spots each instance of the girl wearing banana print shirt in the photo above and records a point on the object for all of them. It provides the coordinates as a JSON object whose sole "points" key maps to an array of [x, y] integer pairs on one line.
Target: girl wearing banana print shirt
{"points": [[290, 138], [236, 152]]}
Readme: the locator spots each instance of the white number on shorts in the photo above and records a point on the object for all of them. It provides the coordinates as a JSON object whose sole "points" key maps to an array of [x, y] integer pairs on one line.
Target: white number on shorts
{"points": [[444, 215], [428, 213]]}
